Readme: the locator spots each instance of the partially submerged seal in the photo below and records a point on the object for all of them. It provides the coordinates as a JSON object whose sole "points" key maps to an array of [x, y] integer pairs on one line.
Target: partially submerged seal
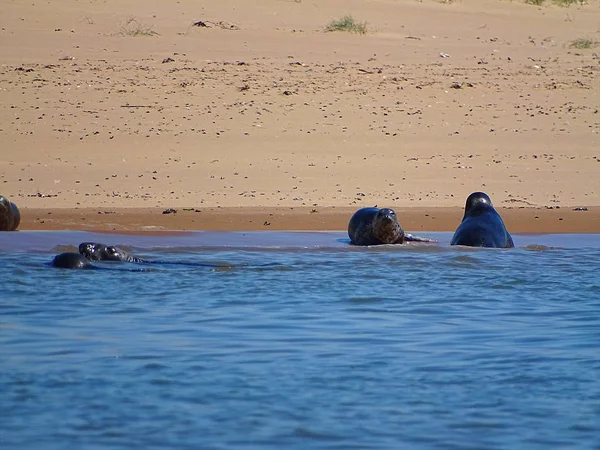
{"points": [[71, 260], [10, 217], [375, 226], [95, 251], [481, 225], [99, 252]]}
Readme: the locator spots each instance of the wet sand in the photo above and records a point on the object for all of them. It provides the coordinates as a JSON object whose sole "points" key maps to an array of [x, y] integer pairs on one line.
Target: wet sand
{"points": [[148, 220]]}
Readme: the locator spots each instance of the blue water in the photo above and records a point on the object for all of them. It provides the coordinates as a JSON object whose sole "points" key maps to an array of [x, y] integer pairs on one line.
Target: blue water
{"points": [[297, 340]]}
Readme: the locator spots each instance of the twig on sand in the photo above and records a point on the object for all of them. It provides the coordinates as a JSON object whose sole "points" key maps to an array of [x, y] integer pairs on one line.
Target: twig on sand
{"points": [[219, 24]]}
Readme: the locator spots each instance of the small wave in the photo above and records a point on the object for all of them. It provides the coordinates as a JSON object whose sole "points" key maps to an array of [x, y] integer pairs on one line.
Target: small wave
{"points": [[153, 366], [64, 249], [362, 300], [539, 248], [317, 435], [463, 260]]}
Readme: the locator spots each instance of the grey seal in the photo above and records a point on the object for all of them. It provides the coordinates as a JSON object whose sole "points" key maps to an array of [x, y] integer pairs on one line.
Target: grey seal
{"points": [[375, 226], [95, 251], [481, 225], [10, 217], [71, 260]]}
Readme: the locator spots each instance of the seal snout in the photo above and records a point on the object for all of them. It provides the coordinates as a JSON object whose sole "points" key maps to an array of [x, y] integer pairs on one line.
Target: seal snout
{"points": [[113, 254], [387, 214]]}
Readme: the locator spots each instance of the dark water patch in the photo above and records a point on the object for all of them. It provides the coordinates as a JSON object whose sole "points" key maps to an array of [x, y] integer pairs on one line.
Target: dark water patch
{"points": [[464, 261], [514, 283], [364, 300], [315, 435], [153, 366]]}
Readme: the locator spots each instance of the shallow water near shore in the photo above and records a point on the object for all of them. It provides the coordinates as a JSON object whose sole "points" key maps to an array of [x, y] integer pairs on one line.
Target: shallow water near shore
{"points": [[298, 340]]}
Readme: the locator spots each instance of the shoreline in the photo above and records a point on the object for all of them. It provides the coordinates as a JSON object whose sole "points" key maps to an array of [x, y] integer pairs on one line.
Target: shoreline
{"points": [[156, 220]]}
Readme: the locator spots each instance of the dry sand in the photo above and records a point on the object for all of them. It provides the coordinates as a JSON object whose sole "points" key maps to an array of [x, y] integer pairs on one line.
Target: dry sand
{"points": [[263, 121]]}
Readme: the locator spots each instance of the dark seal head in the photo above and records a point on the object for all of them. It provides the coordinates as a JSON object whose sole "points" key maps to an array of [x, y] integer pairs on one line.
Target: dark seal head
{"points": [[99, 252], [374, 226], [481, 225], [71, 260], [10, 217]]}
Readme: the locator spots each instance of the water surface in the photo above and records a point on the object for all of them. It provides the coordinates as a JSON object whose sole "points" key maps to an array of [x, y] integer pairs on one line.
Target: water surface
{"points": [[298, 340]]}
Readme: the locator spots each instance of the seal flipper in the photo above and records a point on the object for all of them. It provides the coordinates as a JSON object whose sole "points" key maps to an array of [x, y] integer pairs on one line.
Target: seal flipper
{"points": [[415, 238], [509, 241]]}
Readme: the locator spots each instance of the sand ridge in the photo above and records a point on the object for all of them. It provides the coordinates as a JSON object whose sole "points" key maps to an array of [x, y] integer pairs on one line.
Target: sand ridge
{"points": [[264, 109]]}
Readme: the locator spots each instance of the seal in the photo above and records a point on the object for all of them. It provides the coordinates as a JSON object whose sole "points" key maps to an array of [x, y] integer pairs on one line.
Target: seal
{"points": [[94, 251], [10, 217], [375, 226], [481, 225], [71, 260]]}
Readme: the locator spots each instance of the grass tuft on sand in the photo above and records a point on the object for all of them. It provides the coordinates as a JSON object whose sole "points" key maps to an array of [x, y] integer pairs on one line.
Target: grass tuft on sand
{"points": [[569, 2], [348, 24], [558, 2], [133, 27], [582, 43]]}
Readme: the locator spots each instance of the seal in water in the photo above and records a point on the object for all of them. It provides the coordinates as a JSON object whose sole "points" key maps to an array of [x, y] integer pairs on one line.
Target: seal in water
{"points": [[95, 251], [10, 217], [100, 252], [71, 260], [481, 225], [374, 226]]}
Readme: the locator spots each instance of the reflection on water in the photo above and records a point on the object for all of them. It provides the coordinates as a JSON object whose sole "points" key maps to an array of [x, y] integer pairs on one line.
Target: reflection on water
{"points": [[301, 343]]}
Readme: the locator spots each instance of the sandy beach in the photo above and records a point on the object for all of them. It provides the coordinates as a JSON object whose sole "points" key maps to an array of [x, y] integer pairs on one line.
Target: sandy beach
{"points": [[125, 116]]}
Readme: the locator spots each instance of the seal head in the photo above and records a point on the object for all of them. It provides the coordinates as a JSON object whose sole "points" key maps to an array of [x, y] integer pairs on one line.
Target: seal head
{"points": [[94, 251], [71, 260], [374, 226], [481, 225], [10, 217]]}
